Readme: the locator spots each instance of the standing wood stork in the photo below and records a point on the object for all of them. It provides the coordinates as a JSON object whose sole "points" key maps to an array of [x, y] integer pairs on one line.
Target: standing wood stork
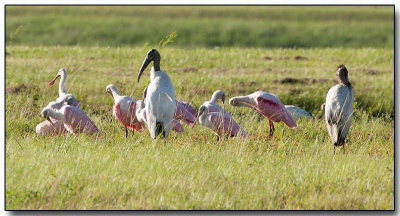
{"points": [[141, 116], [213, 107], [124, 110], [56, 127], [183, 111], [221, 124], [160, 100], [61, 88], [297, 112], [73, 118], [339, 106], [268, 105]]}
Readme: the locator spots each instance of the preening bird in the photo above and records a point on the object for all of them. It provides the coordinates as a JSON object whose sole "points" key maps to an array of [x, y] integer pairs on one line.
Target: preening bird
{"points": [[212, 104], [267, 105], [73, 118], [297, 112], [339, 107], [124, 110], [61, 88], [160, 100], [221, 124]]}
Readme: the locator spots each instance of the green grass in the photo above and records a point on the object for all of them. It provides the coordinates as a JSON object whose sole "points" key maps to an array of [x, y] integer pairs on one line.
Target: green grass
{"points": [[296, 169], [206, 26]]}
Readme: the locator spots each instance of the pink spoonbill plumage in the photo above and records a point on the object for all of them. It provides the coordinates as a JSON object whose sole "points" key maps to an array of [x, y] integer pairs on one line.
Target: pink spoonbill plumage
{"points": [[124, 110], [268, 105], [220, 124]]}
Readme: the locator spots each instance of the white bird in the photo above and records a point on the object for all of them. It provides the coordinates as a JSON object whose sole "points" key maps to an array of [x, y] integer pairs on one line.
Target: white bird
{"points": [[339, 108], [62, 93], [160, 100], [213, 107], [297, 112]]}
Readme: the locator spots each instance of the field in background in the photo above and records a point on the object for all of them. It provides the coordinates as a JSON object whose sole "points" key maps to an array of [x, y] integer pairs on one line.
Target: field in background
{"points": [[294, 170], [250, 26]]}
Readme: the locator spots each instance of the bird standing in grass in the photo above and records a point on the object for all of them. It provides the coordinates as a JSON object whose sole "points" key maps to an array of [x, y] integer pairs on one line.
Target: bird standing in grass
{"points": [[339, 107], [160, 99], [124, 110], [269, 106], [221, 124]]}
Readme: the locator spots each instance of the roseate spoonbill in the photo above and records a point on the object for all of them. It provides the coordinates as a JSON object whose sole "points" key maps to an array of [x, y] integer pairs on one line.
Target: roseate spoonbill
{"points": [[268, 105], [124, 110], [221, 124], [183, 110], [339, 106], [45, 128], [73, 118], [61, 88], [160, 100], [297, 112], [141, 116], [213, 107]]}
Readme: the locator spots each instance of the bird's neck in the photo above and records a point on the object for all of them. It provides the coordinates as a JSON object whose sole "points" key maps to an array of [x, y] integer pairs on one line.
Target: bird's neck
{"points": [[214, 98], [156, 64], [344, 80], [115, 94], [55, 114], [61, 88]]}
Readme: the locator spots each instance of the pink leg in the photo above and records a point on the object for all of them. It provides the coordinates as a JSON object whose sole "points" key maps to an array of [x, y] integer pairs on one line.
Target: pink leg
{"points": [[271, 128]]}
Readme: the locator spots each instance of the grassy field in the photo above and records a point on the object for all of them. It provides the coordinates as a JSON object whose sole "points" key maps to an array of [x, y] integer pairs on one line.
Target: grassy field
{"points": [[296, 169], [251, 26]]}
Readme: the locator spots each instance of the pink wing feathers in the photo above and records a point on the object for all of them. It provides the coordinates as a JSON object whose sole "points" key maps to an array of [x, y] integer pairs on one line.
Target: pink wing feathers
{"points": [[226, 125], [76, 121], [181, 113], [188, 107], [128, 119], [273, 109], [45, 128]]}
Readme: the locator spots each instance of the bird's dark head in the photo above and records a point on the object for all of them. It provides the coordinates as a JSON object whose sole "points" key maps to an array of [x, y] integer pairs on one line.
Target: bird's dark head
{"points": [[152, 56], [343, 75]]}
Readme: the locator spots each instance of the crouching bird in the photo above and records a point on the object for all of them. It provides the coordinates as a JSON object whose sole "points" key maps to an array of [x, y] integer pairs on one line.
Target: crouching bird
{"points": [[267, 105], [339, 106], [160, 99]]}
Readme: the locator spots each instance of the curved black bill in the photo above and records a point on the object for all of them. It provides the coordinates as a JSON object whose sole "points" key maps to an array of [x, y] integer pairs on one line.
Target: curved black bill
{"points": [[146, 62]]}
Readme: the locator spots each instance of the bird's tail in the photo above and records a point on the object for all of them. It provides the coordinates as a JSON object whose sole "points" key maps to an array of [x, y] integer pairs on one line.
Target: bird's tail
{"points": [[160, 129]]}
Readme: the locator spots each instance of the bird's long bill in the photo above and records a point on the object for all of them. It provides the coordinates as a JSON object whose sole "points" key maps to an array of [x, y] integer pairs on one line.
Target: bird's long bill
{"points": [[48, 119], [51, 83], [146, 62], [197, 118]]}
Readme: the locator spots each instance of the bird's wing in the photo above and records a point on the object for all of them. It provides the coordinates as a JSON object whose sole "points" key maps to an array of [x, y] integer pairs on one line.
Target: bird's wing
{"points": [[274, 110], [183, 114]]}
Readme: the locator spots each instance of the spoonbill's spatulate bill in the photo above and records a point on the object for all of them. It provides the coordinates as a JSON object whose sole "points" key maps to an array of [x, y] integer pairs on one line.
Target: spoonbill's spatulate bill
{"points": [[339, 107], [160, 99], [268, 105], [61, 89], [73, 118], [124, 110], [219, 123]]}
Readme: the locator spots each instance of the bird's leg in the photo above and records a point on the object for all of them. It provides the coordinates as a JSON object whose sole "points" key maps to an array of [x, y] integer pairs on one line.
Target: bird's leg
{"points": [[217, 138], [271, 128], [126, 132]]}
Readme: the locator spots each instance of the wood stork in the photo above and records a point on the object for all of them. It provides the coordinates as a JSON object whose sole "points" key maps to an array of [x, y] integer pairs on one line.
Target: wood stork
{"points": [[221, 124], [268, 105], [73, 118], [339, 106], [141, 116], [61, 88], [124, 110], [160, 100], [297, 112]]}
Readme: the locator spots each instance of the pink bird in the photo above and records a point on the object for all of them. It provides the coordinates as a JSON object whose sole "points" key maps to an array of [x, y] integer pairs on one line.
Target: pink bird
{"points": [[184, 111], [268, 105], [62, 93], [221, 124], [141, 116], [213, 107], [73, 118], [124, 110], [45, 128]]}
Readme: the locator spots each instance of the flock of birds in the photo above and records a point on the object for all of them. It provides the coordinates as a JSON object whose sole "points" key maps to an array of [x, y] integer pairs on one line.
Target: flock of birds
{"points": [[161, 112]]}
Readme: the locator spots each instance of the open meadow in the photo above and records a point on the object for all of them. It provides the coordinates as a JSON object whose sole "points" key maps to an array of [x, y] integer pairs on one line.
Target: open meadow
{"points": [[295, 169]]}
